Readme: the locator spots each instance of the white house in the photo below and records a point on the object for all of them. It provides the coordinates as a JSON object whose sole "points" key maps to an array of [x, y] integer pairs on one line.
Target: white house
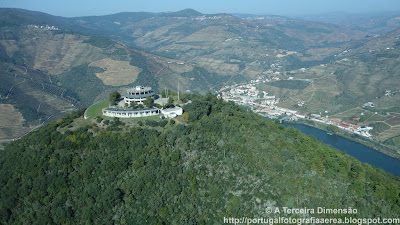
{"points": [[172, 112]]}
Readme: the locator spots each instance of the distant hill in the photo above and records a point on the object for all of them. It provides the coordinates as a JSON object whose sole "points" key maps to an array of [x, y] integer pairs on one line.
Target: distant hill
{"points": [[368, 71], [347, 66], [48, 70], [220, 42], [369, 22], [18, 17], [183, 13]]}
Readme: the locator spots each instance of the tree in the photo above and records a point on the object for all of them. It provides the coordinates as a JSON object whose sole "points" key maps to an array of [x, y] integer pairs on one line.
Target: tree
{"points": [[170, 103], [114, 97], [163, 94], [332, 129], [149, 102], [133, 104], [185, 116], [99, 119]]}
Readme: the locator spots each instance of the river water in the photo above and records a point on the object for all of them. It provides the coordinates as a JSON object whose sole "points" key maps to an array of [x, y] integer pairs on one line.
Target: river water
{"points": [[359, 151]]}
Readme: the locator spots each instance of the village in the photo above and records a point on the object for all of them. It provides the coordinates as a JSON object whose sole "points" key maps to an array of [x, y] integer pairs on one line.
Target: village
{"points": [[46, 27], [267, 105]]}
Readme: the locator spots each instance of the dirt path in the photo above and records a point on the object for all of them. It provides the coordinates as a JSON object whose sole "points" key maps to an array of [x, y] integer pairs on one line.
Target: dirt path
{"points": [[9, 91], [313, 93], [36, 127]]}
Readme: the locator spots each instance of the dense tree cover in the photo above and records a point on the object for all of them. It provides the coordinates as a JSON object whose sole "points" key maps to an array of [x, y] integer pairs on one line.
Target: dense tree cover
{"points": [[204, 79], [149, 102], [332, 129], [153, 123], [114, 96], [16, 58], [224, 162], [296, 63], [145, 77], [89, 86]]}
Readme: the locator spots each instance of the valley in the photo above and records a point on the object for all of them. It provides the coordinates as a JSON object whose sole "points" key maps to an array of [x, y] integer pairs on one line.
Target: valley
{"points": [[47, 72], [316, 67], [223, 43]]}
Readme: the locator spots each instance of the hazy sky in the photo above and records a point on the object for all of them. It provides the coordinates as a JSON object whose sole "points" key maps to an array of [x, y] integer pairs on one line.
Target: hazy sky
{"points": [[70, 8]]}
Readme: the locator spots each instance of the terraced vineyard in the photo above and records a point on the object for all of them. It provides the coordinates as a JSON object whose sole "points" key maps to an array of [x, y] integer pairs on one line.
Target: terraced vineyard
{"points": [[30, 100]]}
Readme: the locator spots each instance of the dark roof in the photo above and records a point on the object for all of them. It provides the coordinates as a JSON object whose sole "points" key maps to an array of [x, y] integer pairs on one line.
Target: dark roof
{"points": [[151, 94]]}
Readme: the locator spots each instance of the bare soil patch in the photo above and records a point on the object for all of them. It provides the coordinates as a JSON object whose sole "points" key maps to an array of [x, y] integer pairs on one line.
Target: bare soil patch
{"points": [[116, 73]]}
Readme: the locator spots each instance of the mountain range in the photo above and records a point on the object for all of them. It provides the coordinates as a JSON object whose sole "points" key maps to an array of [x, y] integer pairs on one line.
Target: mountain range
{"points": [[51, 64]]}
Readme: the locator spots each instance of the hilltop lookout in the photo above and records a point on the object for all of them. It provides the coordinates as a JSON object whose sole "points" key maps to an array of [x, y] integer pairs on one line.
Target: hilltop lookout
{"points": [[138, 94], [135, 103]]}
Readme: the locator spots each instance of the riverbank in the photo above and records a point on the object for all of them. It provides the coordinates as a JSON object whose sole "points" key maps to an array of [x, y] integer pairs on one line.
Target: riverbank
{"points": [[377, 146]]}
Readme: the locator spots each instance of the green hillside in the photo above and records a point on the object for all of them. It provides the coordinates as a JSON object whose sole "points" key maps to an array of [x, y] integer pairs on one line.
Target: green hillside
{"points": [[47, 70], [367, 73], [223, 162], [218, 40]]}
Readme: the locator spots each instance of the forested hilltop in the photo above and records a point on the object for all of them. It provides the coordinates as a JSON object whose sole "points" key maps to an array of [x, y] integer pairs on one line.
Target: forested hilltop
{"points": [[222, 162]]}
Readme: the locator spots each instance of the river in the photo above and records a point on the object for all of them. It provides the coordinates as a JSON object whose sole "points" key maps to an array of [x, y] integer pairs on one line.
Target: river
{"points": [[359, 151]]}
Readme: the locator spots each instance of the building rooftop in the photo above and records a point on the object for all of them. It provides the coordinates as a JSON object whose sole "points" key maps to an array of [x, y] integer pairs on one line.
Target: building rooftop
{"points": [[138, 89], [176, 108], [139, 92]]}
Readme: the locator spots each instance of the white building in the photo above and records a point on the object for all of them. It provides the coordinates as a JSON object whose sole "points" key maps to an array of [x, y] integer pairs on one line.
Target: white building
{"points": [[130, 113], [138, 94], [172, 112]]}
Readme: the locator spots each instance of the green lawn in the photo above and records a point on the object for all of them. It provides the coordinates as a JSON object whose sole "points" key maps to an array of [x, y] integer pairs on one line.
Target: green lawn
{"points": [[95, 110]]}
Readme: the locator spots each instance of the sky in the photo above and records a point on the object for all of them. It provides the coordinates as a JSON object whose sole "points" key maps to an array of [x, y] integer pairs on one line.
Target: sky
{"points": [[73, 8]]}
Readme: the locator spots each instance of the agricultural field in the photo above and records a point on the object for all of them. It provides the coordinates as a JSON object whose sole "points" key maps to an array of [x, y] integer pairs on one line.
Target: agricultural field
{"points": [[116, 73], [395, 120], [11, 122], [30, 99], [311, 73], [385, 125], [390, 133], [395, 141], [56, 53], [218, 66], [341, 89]]}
